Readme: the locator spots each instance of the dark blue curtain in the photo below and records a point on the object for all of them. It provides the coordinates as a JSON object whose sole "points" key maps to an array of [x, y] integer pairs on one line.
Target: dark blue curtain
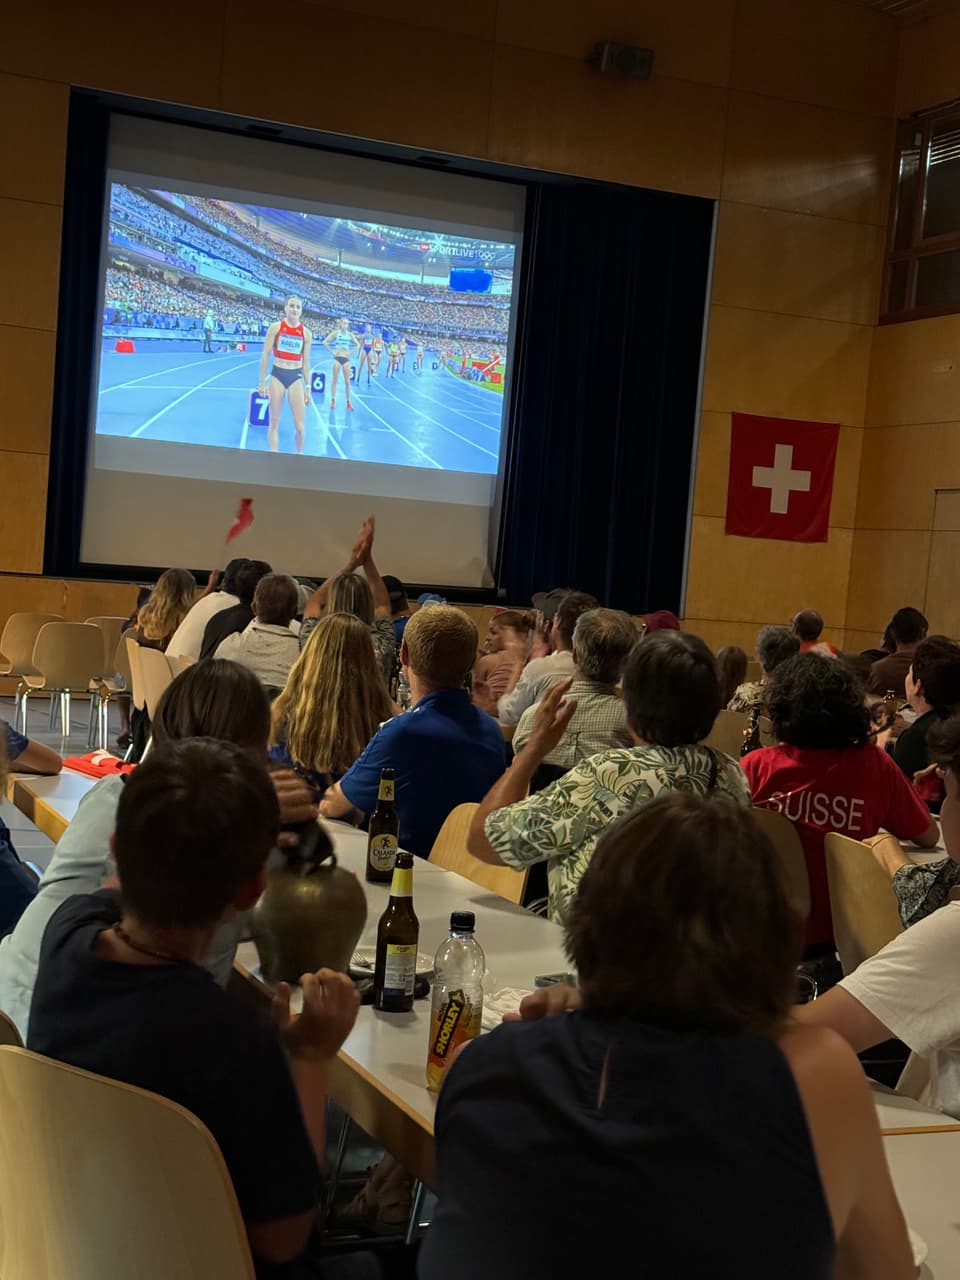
{"points": [[78, 330], [597, 486]]}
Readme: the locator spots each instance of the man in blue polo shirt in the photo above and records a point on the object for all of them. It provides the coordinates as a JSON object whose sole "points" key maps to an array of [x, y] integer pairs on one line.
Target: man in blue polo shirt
{"points": [[444, 751]]}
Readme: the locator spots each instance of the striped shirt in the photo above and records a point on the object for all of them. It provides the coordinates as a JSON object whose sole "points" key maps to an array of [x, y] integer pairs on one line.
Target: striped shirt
{"points": [[598, 724]]}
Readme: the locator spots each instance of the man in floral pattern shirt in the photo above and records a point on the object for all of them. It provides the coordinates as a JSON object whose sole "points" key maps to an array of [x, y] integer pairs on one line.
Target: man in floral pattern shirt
{"points": [[672, 695]]}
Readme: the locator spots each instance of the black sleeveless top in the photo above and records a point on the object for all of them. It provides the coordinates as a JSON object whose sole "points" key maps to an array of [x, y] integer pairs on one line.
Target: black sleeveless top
{"points": [[697, 1163]]}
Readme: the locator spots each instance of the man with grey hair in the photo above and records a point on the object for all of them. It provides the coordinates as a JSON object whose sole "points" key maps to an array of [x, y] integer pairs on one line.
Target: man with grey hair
{"points": [[774, 645], [602, 639]]}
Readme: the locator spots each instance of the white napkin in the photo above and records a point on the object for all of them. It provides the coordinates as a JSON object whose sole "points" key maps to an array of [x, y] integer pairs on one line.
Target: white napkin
{"points": [[495, 1005]]}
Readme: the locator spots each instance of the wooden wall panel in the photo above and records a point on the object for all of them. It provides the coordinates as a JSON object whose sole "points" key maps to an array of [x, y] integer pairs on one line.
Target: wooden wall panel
{"points": [[887, 571], [22, 518], [915, 372], [26, 376], [29, 263], [929, 71], [32, 153], [797, 264]]}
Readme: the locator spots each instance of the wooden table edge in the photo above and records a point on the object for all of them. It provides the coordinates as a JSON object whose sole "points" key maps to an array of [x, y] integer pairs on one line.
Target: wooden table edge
{"points": [[929, 1128]]}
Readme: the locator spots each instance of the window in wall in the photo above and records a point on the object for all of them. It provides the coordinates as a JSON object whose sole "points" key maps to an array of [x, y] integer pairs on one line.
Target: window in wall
{"points": [[923, 264]]}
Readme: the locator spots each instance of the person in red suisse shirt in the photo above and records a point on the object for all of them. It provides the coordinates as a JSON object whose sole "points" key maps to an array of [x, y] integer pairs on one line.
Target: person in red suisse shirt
{"points": [[827, 774]]}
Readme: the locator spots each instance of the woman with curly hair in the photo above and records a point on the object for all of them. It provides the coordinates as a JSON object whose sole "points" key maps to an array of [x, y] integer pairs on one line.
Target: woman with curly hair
{"points": [[827, 774], [334, 701], [169, 603]]}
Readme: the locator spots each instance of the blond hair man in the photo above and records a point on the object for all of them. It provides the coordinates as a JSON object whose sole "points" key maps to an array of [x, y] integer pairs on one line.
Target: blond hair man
{"points": [[444, 751]]}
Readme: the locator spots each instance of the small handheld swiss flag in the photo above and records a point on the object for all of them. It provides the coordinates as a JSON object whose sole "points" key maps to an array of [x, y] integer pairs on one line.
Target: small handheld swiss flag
{"points": [[244, 518], [781, 478]]}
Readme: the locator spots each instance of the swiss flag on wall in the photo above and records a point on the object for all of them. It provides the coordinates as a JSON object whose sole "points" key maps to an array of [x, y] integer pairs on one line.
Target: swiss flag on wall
{"points": [[781, 478]]}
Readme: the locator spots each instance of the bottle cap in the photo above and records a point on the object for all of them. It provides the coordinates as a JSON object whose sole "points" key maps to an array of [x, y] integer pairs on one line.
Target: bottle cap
{"points": [[386, 773], [463, 921]]}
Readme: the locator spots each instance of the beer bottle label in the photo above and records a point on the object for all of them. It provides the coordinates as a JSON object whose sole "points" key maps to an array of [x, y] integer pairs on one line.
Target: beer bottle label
{"points": [[450, 1018], [400, 969], [383, 851], [387, 788]]}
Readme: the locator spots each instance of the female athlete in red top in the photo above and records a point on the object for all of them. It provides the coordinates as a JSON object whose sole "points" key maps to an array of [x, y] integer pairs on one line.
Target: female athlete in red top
{"points": [[288, 340]]}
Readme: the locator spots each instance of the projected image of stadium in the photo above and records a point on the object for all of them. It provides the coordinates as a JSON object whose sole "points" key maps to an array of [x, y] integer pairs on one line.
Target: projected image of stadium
{"points": [[273, 330]]}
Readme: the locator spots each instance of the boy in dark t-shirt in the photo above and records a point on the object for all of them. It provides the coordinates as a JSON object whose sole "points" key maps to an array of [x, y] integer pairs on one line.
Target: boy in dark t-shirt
{"points": [[121, 989]]}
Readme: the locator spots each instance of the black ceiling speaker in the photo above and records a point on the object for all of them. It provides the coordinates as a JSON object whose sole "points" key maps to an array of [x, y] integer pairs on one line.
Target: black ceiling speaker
{"points": [[625, 60]]}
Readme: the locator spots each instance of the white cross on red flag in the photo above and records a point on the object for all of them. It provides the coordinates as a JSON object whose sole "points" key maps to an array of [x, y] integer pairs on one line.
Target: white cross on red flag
{"points": [[781, 478]]}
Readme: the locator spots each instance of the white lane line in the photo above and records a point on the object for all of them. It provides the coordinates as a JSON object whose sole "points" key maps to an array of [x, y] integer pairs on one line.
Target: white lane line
{"points": [[450, 409], [442, 426], [119, 386], [433, 462], [325, 432], [243, 433], [185, 386], [173, 403]]}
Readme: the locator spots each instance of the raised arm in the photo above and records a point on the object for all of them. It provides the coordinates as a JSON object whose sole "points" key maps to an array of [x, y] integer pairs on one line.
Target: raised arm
{"points": [[381, 596], [318, 601]]}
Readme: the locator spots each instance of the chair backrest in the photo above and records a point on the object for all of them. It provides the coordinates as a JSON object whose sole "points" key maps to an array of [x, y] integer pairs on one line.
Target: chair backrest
{"points": [[767, 737], [19, 637], [862, 902], [450, 851], [727, 732], [121, 663], [754, 671], [8, 1031], [179, 662], [110, 629], [783, 836], [69, 655], [133, 649], [156, 675], [160, 1202]]}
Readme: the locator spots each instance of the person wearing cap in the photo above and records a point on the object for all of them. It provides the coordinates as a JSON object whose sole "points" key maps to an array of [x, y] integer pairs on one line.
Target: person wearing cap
{"points": [[551, 658], [399, 605]]}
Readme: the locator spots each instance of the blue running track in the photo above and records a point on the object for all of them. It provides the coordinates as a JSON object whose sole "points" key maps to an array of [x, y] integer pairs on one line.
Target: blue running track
{"points": [[170, 390]]}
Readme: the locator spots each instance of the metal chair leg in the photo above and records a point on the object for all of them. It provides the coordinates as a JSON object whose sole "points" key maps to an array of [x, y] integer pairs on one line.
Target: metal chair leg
{"points": [[104, 718], [53, 711], [65, 718], [333, 1180], [90, 720], [416, 1204]]}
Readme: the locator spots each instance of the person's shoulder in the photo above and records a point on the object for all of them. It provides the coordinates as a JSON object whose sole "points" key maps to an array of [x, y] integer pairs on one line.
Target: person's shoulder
{"points": [[100, 908], [819, 1056]]}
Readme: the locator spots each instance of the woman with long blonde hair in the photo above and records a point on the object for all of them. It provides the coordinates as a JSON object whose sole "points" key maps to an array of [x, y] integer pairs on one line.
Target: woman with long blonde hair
{"points": [[170, 602], [334, 701]]}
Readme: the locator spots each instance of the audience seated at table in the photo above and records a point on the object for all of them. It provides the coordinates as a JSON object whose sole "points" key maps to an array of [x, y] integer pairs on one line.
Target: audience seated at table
{"points": [[168, 604], [550, 657], [399, 606], [212, 699], [18, 886], [270, 644], [334, 701], [908, 990], [679, 1107], [925, 887], [501, 657], [827, 774], [808, 628], [732, 670], [672, 695], [774, 645], [933, 692], [121, 989], [602, 641], [906, 629], [236, 617], [444, 751], [219, 594], [366, 597]]}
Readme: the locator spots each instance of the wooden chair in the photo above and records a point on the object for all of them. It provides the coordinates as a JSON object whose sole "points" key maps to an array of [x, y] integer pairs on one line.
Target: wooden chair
{"points": [[18, 639], [156, 675], [754, 671], [862, 902], [136, 675], [68, 657], [767, 737], [116, 683], [110, 628], [727, 732], [100, 1179], [450, 851], [8, 1031], [783, 836]]}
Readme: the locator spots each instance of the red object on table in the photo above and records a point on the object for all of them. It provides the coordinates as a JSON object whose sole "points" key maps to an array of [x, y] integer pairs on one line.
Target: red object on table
{"points": [[98, 764]]}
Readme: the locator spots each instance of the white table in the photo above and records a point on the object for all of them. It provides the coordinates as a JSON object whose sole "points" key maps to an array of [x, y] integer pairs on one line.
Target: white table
{"points": [[379, 1078], [900, 1115], [49, 803], [926, 1174]]}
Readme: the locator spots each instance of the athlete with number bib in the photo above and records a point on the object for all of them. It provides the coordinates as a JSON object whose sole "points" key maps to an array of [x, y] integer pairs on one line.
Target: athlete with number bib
{"points": [[342, 344], [366, 351], [289, 343], [418, 362], [377, 353]]}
